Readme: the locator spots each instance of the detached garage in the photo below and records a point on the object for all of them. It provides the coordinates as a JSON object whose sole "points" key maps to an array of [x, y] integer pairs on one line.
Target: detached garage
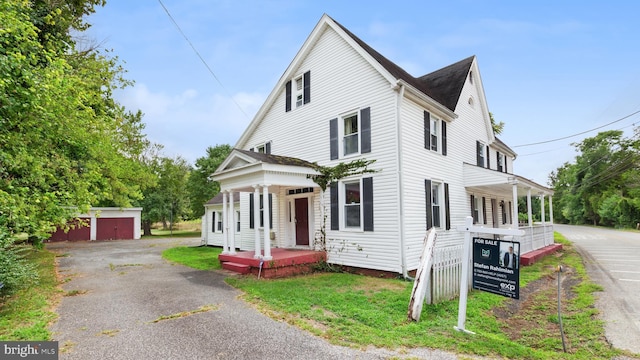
{"points": [[103, 224]]}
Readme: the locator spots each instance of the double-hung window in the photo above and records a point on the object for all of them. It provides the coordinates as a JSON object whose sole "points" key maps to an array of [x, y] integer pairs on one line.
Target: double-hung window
{"points": [[500, 162], [298, 91], [352, 205], [436, 204], [351, 134], [352, 202], [480, 154], [434, 133]]}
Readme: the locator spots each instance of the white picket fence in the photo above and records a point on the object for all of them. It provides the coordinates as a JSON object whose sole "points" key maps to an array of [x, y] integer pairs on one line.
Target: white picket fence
{"points": [[444, 283]]}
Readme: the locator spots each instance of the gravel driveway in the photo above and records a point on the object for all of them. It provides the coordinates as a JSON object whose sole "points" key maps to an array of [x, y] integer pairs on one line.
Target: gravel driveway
{"points": [[124, 286]]}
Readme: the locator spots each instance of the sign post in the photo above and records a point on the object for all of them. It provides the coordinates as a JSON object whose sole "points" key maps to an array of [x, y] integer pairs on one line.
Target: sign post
{"points": [[468, 228]]}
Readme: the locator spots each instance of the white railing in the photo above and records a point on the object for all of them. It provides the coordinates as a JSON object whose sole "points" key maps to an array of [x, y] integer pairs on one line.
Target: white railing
{"points": [[445, 274], [535, 237]]}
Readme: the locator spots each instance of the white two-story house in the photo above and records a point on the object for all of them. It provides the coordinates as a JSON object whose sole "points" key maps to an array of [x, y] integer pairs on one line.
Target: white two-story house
{"points": [[437, 160]]}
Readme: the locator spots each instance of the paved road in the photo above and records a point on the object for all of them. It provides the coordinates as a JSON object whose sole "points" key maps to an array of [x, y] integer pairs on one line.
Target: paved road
{"points": [[126, 285], [613, 261]]}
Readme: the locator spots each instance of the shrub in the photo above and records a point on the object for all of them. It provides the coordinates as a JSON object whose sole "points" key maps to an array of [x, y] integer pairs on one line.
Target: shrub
{"points": [[15, 271]]}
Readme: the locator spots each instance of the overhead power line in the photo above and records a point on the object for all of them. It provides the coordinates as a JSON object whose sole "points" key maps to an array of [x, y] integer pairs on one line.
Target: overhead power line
{"points": [[580, 133], [202, 59]]}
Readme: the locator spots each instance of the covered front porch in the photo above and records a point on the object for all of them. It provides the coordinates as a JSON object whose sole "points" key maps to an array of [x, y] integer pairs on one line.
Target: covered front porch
{"points": [[279, 204], [537, 234]]}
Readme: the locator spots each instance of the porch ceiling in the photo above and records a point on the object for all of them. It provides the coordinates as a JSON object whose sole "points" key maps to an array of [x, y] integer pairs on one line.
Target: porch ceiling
{"points": [[493, 181]]}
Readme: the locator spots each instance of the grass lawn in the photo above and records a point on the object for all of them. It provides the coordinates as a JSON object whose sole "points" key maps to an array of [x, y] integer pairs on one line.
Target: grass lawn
{"points": [[359, 311], [201, 257], [26, 314]]}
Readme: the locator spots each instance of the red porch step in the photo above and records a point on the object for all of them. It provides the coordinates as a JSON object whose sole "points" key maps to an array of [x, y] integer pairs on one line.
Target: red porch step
{"points": [[533, 256], [235, 267]]}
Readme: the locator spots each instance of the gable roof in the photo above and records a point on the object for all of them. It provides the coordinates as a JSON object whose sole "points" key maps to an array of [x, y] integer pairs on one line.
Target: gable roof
{"points": [[444, 85], [277, 159]]}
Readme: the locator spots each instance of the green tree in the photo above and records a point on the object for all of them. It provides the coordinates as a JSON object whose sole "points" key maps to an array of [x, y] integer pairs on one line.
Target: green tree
{"points": [[601, 186], [168, 201], [200, 186], [62, 135], [497, 126]]}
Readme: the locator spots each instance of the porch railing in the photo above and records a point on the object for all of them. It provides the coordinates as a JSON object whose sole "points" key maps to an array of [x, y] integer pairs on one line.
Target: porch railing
{"points": [[535, 237]]}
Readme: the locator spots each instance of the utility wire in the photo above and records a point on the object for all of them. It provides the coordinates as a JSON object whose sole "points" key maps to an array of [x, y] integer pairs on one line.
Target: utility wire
{"points": [[202, 59], [580, 133]]}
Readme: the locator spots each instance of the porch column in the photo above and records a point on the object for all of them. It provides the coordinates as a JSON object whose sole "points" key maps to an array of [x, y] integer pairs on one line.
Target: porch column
{"points": [[529, 212], [256, 220], [544, 221], [225, 239], [551, 209], [514, 218], [267, 227], [231, 226]]}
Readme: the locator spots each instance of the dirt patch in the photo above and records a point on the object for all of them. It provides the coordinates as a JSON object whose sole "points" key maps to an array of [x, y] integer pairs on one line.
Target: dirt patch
{"points": [[534, 315]]}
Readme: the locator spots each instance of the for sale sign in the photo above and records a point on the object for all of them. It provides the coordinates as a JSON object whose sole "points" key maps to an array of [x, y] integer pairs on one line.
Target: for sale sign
{"points": [[496, 266]]}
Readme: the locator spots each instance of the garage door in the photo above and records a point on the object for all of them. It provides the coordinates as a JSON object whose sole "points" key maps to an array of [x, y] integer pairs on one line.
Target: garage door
{"points": [[75, 234], [114, 228]]}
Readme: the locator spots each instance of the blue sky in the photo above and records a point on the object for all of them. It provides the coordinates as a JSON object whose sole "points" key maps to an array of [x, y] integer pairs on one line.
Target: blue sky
{"points": [[550, 68]]}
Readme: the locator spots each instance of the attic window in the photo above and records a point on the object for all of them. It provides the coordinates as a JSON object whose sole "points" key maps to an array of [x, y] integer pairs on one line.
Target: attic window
{"points": [[471, 102], [298, 91], [471, 77]]}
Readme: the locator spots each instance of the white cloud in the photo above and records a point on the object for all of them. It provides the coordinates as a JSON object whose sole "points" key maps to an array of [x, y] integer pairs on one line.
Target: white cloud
{"points": [[188, 122]]}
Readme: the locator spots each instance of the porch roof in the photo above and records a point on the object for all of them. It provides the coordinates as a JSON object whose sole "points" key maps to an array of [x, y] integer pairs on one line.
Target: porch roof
{"points": [[242, 170], [493, 181]]}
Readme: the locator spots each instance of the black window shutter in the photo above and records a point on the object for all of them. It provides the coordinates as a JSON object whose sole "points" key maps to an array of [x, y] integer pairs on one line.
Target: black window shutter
{"points": [[505, 163], [251, 219], [487, 156], [270, 211], [335, 219], [427, 130], [213, 221], [365, 123], [267, 148], [444, 137], [473, 209], [367, 189], [478, 155], [287, 100], [306, 94], [427, 194], [446, 206], [333, 138], [484, 210]]}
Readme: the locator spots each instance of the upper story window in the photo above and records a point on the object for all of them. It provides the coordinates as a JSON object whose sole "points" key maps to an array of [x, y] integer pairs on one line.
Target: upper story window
{"points": [[350, 134], [298, 91], [500, 159], [435, 133], [480, 154], [264, 148]]}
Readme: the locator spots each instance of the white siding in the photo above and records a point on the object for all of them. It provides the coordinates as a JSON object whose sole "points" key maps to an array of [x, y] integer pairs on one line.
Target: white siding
{"points": [[341, 81]]}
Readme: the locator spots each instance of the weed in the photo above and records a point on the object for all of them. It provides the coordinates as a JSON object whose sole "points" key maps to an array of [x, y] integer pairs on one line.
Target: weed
{"points": [[201, 309]]}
